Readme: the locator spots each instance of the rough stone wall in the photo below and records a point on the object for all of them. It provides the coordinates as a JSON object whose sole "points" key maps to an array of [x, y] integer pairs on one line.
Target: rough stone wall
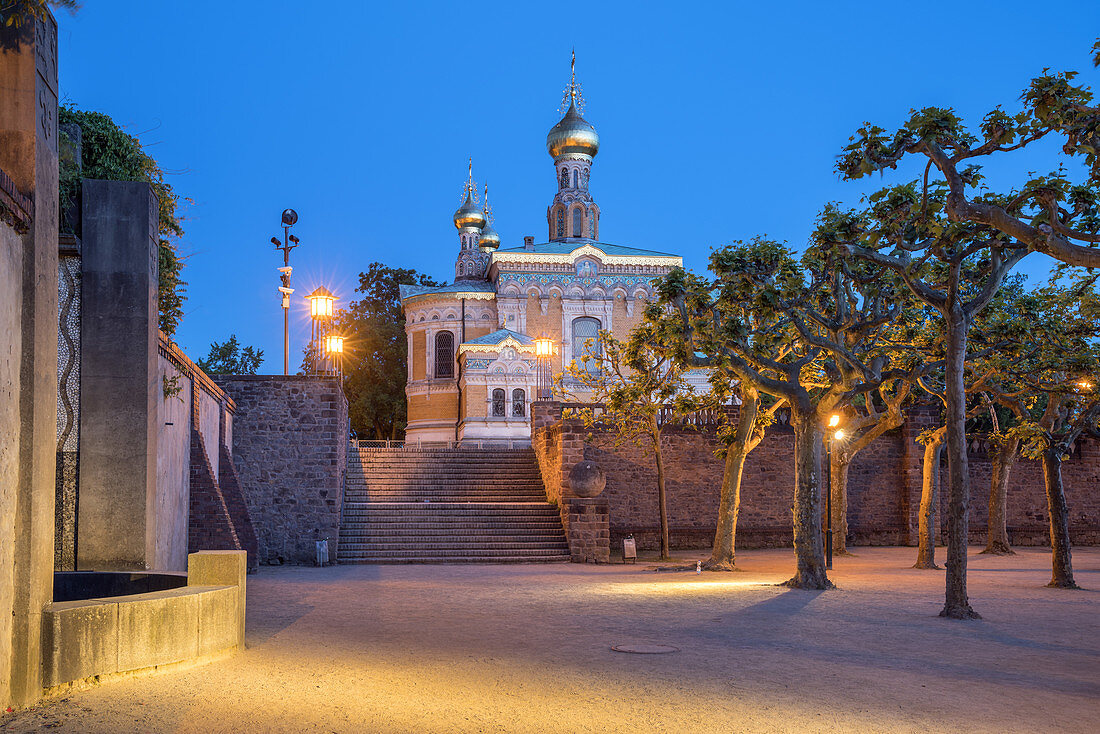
{"points": [[883, 490], [290, 451]]}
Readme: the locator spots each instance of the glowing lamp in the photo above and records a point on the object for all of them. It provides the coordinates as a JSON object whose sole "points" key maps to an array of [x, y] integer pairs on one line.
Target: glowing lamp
{"points": [[320, 303], [1084, 384], [544, 347], [834, 420], [334, 344], [838, 435]]}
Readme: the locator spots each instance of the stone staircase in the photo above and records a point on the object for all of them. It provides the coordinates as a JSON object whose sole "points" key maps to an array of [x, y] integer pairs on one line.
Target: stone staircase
{"points": [[456, 505]]}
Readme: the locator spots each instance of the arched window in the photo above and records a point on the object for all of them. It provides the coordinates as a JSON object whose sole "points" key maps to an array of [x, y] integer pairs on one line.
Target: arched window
{"points": [[586, 344], [561, 223], [591, 224], [576, 179], [469, 268], [564, 177], [519, 403], [584, 178], [577, 223], [498, 403], [444, 354]]}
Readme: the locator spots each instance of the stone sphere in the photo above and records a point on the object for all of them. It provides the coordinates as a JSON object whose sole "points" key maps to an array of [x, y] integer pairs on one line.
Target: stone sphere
{"points": [[587, 479]]}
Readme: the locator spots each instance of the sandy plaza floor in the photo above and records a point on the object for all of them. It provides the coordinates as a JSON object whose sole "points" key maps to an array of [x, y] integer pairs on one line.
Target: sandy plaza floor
{"points": [[528, 649]]}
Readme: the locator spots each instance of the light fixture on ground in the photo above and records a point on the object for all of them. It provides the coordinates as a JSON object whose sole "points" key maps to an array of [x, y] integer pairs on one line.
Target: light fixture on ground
{"points": [[321, 309], [290, 217], [544, 350]]}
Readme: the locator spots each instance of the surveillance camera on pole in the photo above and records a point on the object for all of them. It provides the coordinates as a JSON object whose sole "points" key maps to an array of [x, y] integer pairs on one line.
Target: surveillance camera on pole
{"points": [[289, 242]]}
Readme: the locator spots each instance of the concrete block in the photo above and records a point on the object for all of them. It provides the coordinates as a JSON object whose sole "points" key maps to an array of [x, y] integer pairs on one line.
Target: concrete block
{"points": [[158, 628], [219, 626], [221, 568], [79, 640]]}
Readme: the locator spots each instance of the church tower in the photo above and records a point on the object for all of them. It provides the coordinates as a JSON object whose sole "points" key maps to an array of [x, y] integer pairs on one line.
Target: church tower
{"points": [[471, 221], [573, 144]]}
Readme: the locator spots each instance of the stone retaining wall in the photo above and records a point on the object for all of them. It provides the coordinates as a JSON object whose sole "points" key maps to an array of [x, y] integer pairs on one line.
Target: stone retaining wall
{"points": [[290, 455], [883, 489]]}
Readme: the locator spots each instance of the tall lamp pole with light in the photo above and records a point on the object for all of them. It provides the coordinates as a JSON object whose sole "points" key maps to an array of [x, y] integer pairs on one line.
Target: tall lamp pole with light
{"points": [[544, 349], [832, 434], [334, 351], [321, 309], [290, 217]]}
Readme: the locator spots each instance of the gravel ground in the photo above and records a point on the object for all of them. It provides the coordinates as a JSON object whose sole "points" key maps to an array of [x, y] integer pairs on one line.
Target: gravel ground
{"points": [[527, 648]]}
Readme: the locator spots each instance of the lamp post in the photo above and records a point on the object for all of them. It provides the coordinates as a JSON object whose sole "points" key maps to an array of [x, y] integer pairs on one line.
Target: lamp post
{"points": [[321, 302], [334, 348], [289, 243], [833, 433], [544, 349]]}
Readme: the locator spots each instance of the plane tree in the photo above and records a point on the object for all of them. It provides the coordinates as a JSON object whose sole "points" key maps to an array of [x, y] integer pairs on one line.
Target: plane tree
{"points": [[633, 381], [806, 332], [952, 216]]}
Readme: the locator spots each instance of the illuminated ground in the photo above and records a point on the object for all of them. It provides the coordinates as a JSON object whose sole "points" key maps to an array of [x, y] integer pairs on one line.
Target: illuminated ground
{"points": [[526, 648]]}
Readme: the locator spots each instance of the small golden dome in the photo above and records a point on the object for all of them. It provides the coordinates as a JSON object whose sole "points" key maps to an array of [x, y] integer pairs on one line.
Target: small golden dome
{"points": [[490, 240], [573, 134], [468, 215]]}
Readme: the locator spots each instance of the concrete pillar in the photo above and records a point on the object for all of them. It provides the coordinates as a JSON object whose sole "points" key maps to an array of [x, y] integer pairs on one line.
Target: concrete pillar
{"points": [[119, 377], [28, 367]]}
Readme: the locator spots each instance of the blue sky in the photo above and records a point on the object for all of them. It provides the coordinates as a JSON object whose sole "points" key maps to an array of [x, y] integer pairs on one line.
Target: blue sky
{"points": [[718, 121]]}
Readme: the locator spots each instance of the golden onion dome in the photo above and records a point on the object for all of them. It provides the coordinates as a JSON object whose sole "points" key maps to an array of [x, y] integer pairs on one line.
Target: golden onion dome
{"points": [[490, 240], [572, 134], [468, 215]]}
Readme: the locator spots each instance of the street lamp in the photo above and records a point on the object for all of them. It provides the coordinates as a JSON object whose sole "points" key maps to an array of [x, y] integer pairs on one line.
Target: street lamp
{"points": [[290, 217], [834, 421], [334, 348], [321, 302], [544, 349]]}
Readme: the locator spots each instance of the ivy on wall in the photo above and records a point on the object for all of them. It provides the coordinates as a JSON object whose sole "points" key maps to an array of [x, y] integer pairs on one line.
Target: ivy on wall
{"points": [[109, 153]]}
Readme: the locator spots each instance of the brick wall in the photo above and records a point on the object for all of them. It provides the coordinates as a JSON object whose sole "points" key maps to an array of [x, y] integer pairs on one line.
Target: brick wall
{"points": [[290, 455], [883, 491]]}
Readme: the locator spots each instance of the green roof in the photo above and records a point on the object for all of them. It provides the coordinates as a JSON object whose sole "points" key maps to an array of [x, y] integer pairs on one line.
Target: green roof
{"points": [[499, 336], [465, 286], [568, 246]]}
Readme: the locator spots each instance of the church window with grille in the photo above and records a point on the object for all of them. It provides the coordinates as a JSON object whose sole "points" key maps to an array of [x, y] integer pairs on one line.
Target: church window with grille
{"points": [[564, 177], [591, 224], [577, 232], [586, 344], [519, 403], [444, 354], [576, 179], [498, 403], [561, 223]]}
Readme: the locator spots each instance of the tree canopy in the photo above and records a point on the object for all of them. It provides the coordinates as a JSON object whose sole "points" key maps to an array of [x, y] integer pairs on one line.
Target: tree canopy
{"points": [[228, 358], [375, 350], [110, 153]]}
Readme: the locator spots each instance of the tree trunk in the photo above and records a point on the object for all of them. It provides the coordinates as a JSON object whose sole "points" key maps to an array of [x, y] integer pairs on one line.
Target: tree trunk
{"points": [[929, 500], [838, 479], [663, 509], [808, 550], [1061, 560], [956, 603], [729, 504], [1003, 459]]}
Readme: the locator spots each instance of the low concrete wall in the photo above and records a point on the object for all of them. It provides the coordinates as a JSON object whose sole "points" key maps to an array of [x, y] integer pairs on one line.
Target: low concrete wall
{"points": [[92, 638]]}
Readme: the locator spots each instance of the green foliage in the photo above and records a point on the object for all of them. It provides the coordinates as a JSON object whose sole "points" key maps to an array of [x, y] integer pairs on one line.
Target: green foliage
{"points": [[109, 153], [375, 351], [17, 12], [633, 380], [172, 388], [228, 358]]}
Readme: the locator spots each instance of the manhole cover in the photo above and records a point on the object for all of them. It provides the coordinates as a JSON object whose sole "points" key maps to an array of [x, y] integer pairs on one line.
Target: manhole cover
{"points": [[645, 649]]}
